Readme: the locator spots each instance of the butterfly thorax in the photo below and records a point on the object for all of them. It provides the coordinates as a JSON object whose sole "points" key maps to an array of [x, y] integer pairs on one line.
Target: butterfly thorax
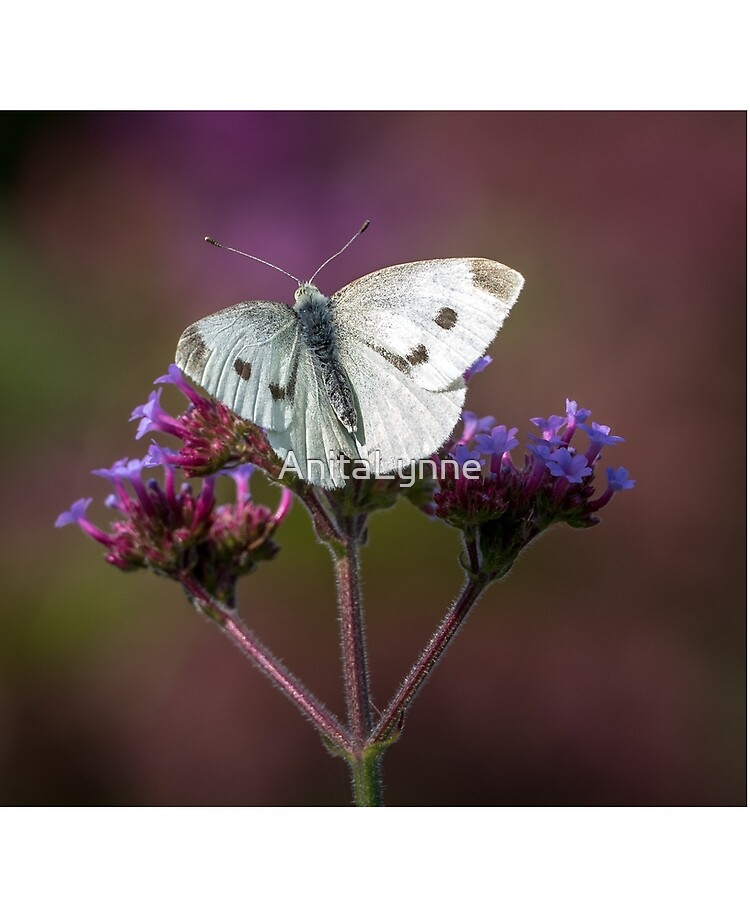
{"points": [[320, 336]]}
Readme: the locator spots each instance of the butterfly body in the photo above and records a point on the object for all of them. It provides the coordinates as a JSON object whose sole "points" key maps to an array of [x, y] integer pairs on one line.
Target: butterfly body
{"points": [[320, 334], [374, 372]]}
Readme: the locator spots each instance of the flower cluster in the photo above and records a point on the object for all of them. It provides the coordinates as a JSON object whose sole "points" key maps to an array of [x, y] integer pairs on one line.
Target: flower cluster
{"points": [[175, 532], [505, 507], [212, 436], [185, 536]]}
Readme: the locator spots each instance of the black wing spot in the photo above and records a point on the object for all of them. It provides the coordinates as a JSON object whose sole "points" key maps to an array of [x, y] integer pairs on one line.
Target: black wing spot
{"points": [[277, 391], [243, 368], [418, 355], [447, 318], [396, 360]]}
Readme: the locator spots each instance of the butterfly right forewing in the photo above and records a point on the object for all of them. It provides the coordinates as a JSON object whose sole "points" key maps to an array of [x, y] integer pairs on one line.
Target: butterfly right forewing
{"points": [[247, 356], [431, 319]]}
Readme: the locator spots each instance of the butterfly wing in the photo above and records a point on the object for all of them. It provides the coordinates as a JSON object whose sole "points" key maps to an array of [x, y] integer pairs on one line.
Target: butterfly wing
{"points": [[407, 334], [247, 356], [252, 358], [399, 420], [430, 320], [316, 433]]}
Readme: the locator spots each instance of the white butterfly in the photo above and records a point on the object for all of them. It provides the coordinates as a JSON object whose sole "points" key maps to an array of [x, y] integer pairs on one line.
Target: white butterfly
{"points": [[373, 372]]}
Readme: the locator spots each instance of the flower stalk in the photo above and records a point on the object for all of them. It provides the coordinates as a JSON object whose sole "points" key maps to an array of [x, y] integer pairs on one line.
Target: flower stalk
{"points": [[393, 717], [293, 689]]}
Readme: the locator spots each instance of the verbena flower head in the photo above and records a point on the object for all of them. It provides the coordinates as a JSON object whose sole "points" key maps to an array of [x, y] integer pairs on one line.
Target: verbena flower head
{"points": [[212, 436], [506, 506], [178, 533]]}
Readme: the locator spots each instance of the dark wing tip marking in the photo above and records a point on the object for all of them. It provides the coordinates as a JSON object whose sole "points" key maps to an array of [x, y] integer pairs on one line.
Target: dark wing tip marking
{"points": [[243, 368], [447, 318], [499, 280], [192, 351], [418, 355]]}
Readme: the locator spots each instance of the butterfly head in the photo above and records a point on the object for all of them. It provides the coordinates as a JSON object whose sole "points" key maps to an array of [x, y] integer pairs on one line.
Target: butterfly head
{"points": [[307, 296]]}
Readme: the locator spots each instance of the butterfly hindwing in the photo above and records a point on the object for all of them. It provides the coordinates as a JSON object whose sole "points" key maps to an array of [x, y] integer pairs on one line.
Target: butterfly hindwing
{"points": [[399, 421], [316, 433], [247, 356], [430, 320]]}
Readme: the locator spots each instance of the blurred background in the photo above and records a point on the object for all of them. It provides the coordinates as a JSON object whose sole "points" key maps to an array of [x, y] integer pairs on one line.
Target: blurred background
{"points": [[608, 669]]}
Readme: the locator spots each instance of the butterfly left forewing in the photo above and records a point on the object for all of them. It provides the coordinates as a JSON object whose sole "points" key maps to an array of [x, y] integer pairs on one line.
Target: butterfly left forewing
{"points": [[431, 320]]}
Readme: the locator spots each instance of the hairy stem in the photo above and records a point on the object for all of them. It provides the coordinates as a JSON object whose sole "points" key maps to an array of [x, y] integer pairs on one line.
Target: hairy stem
{"points": [[394, 714], [365, 764], [230, 624], [353, 650]]}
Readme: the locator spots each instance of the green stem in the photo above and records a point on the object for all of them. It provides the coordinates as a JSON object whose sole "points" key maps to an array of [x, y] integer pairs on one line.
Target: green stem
{"points": [[366, 778]]}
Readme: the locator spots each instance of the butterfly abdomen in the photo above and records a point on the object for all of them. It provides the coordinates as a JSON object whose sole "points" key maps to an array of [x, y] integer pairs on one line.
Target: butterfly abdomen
{"points": [[320, 336]]}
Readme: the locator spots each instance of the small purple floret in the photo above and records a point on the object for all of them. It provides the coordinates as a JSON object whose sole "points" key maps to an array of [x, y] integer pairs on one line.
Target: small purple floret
{"points": [[564, 463], [175, 377], [241, 476], [75, 514], [575, 415], [477, 367], [617, 479], [499, 441], [549, 426], [473, 425], [155, 418], [599, 437], [461, 454]]}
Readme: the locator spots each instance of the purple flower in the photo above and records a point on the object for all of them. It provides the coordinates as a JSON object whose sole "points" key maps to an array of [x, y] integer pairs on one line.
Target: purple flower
{"points": [[241, 476], [477, 367], [506, 507], [77, 515], [540, 449], [498, 444], [461, 454], [549, 426], [154, 418], [176, 378], [499, 441], [599, 437], [573, 467], [179, 534], [575, 417], [130, 471], [212, 436], [473, 424], [617, 479]]}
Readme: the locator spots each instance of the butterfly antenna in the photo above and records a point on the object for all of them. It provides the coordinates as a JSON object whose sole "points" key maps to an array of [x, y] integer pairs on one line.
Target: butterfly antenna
{"points": [[248, 256], [362, 229]]}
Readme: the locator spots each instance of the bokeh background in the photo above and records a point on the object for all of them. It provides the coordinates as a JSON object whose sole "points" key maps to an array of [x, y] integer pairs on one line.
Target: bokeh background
{"points": [[608, 669]]}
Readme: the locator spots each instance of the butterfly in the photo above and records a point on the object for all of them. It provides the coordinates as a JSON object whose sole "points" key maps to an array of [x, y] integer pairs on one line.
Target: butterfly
{"points": [[372, 373]]}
